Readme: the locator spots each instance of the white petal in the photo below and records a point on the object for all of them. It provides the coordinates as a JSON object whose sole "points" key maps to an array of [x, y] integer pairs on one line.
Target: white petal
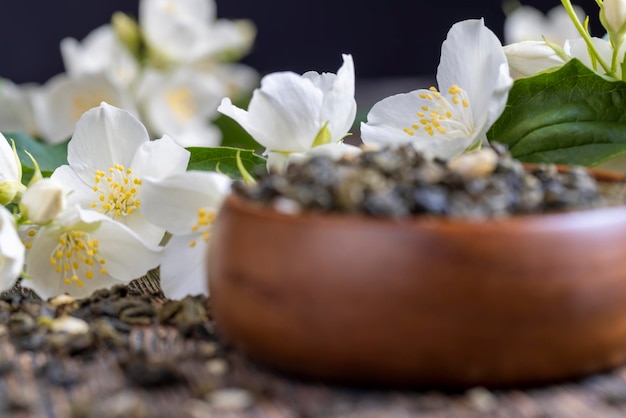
{"points": [[90, 56], [394, 121], [99, 52], [105, 136], [531, 57], [339, 106], [234, 36], [524, 24], [11, 251], [127, 256], [577, 48], [560, 26], [8, 162], [42, 276], [178, 28], [183, 268], [77, 191], [200, 134], [160, 158], [237, 78], [432, 147], [173, 202], [444, 149], [150, 233], [391, 120], [284, 114], [472, 57]]}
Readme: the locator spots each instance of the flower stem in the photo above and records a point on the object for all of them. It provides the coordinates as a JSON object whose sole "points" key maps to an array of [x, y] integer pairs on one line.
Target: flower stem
{"points": [[585, 35]]}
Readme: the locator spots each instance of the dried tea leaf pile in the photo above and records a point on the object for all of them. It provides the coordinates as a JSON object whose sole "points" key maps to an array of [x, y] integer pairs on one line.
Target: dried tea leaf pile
{"points": [[397, 182]]}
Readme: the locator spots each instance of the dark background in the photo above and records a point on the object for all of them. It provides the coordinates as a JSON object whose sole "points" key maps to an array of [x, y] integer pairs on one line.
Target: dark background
{"points": [[388, 38]]}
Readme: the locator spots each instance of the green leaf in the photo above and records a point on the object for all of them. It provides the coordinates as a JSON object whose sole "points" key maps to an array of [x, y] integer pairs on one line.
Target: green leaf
{"points": [[224, 160], [233, 135], [570, 116], [48, 156]]}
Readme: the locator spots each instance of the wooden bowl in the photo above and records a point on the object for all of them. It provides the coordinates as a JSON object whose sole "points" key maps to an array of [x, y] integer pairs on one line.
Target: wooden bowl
{"points": [[423, 302]]}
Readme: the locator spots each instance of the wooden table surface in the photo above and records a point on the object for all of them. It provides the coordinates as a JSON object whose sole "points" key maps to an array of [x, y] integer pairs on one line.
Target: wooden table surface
{"points": [[156, 371]]}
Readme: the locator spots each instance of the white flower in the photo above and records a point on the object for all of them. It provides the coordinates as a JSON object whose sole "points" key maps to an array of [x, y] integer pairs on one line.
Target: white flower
{"points": [[63, 100], [16, 110], [529, 24], [109, 155], [43, 201], [83, 251], [180, 103], [100, 52], [292, 113], [10, 173], [474, 79], [185, 205], [11, 251], [186, 30]]}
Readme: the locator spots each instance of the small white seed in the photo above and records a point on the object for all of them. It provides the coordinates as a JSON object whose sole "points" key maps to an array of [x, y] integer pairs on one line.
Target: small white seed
{"points": [[70, 325]]}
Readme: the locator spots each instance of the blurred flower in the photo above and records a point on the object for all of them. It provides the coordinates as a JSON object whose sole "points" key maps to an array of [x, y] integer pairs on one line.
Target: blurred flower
{"points": [[186, 31], [181, 103], [109, 155], [293, 113], [16, 109], [43, 201], [170, 69], [63, 100], [529, 24], [11, 251], [100, 52], [474, 78], [185, 205], [83, 251]]}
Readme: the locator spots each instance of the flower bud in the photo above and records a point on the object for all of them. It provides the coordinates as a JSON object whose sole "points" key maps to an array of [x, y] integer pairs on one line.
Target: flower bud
{"points": [[532, 57], [127, 31], [10, 191], [613, 18], [42, 201]]}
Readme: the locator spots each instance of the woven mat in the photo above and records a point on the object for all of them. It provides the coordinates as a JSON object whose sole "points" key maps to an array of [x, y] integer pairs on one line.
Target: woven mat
{"points": [[211, 380]]}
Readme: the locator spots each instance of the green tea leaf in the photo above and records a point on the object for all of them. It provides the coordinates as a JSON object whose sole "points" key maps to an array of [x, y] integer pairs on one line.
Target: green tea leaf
{"points": [[224, 160], [570, 116]]}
